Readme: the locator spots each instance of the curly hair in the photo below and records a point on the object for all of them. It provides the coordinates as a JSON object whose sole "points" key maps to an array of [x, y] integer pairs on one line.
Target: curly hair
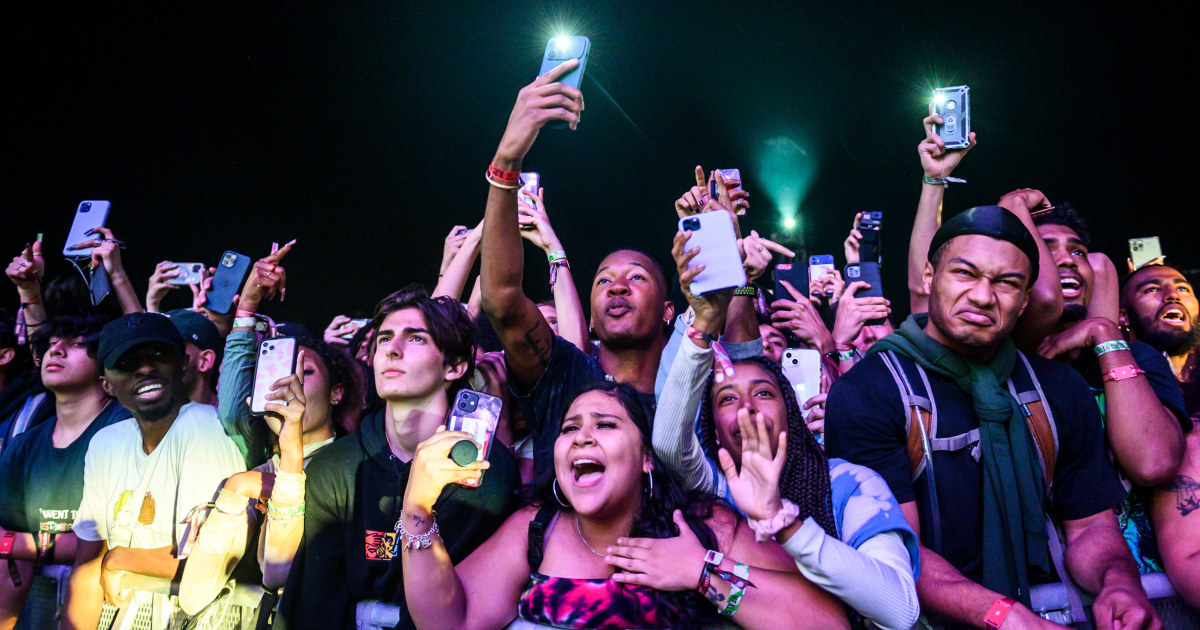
{"points": [[340, 368], [805, 479], [655, 518], [1066, 216]]}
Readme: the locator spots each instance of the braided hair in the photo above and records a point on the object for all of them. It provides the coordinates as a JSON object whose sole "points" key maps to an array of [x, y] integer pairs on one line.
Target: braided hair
{"points": [[805, 479]]}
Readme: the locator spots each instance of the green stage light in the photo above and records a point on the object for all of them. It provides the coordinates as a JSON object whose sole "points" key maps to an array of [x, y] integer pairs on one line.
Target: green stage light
{"points": [[789, 223]]}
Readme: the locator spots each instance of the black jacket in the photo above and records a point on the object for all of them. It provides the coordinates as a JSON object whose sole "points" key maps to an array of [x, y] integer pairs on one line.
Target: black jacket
{"points": [[353, 496]]}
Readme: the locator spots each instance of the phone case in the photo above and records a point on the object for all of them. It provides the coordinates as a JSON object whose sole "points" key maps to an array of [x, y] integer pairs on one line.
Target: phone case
{"points": [[795, 275], [802, 367], [953, 105], [713, 233], [276, 359], [189, 273], [227, 281], [819, 267], [559, 50], [532, 182], [867, 272], [476, 413], [1143, 251], [88, 216]]}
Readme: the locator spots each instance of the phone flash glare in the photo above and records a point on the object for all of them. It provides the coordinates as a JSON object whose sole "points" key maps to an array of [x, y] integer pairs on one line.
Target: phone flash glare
{"points": [[939, 98], [562, 43], [789, 223]]}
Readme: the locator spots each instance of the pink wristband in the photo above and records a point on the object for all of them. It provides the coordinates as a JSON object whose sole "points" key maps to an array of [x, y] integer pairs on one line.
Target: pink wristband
{"points": [[765, 530]]}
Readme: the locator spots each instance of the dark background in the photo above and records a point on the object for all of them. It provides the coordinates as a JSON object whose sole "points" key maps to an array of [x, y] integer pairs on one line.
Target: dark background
{"points": [[363, 131]]}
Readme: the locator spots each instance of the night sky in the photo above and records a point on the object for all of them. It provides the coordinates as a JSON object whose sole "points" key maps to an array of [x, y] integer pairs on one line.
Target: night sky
{"points": [[364, 131]]}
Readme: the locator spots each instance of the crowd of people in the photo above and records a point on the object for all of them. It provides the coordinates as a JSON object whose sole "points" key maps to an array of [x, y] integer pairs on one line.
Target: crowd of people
{"points": [[1018, 453]]}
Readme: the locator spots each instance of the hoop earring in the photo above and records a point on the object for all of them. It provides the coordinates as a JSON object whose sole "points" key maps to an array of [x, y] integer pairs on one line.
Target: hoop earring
{"points": [[554, 490], [650, 492]]}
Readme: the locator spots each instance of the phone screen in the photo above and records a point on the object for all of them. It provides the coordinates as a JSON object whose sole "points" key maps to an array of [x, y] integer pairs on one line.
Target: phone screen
{"points": [[819, 267], [533, 181]]}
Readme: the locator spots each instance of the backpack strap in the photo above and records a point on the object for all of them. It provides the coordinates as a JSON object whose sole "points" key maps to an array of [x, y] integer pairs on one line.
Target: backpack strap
{"points": [[1025, 387], [537, 534], [922, 415]]}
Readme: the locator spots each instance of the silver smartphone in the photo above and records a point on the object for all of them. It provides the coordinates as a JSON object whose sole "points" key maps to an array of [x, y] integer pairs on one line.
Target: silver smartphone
{"points": [[1143, 251], [713, 233], [802, 367], [953, 105], [188, 273], [88, 216]]}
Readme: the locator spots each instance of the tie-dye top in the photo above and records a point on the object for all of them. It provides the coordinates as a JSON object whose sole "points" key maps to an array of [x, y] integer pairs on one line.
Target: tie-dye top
{"points": [[605, 604]]}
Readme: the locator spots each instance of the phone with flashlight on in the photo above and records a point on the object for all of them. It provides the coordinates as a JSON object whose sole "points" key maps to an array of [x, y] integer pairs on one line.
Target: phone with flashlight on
{"points": [[559, 50], [953, 105]]}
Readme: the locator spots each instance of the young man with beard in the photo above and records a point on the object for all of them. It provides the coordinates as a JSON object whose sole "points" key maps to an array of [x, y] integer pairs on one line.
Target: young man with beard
{"points": [[981, 519], [1140, 402], [424, 350], [629, 304], [42, 470], [142, 476], [1159, 306]]}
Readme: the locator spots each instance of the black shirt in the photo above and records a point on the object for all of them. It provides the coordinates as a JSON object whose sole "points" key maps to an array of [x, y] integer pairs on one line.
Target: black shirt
{"points": [[545, 404], [864, 424], [1158, 373], [354, 491], [43, 485]]}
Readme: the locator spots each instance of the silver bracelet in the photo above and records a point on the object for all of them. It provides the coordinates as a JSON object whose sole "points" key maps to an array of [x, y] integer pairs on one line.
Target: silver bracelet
{"points": [[416, 541]]}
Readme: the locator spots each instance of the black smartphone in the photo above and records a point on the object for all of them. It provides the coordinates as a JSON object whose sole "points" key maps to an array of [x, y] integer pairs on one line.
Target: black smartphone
{"points": [[795, 275], [227, 281], [952, 104], [867, 272], [559, 50], [100, 286], [869, 224]]}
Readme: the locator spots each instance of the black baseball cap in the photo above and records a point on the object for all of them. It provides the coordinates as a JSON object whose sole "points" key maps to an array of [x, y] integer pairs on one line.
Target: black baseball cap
{"points": [[993, 221], [196, 329], [122, 334]]}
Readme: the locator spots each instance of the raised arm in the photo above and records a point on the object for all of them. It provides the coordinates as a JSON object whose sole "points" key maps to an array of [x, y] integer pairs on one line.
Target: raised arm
{"points": [[937, 163], [536, 228], [527, 338], [1045, 300], [453, 278], [106, 250], [26, 271]]}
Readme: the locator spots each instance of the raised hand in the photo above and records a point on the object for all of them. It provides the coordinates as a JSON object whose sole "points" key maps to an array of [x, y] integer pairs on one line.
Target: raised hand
{"points": [[853, 242], [27, 269], [432, 469], [756, 254], [936, 161], [800, 317], [666, 564], [106, 250], [454, 242], [535, 223], [286, 403], [159, 285], [537, 104], [1024, 199], [830, 285], [710, 308], [340, 325], [755, 487], [854, 312], [266, 280]]}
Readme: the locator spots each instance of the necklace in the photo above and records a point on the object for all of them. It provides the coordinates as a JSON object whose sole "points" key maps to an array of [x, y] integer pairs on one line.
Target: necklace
{"points": [[585, 542]]}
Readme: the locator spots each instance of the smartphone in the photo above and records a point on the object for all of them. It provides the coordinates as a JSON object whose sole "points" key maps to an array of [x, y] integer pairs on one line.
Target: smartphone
{"points": [[276, 359], [953, 105], [867, 272], [1143, 251], [819, 267], [476, 413], [561, 49], [227, 282], [99, 285], [189, 273], [532, 182], [869, 224], [358, 324], [802, 367], [713, 233], [88, 216], [795, 275]]}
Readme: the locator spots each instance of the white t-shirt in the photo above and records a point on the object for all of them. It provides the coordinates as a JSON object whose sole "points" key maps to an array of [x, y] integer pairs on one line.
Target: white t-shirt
{"points": [[131, 499]]}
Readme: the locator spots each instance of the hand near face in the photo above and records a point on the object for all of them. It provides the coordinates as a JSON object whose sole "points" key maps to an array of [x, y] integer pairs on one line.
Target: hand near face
{"points": [[666, 564], [755, 486]]}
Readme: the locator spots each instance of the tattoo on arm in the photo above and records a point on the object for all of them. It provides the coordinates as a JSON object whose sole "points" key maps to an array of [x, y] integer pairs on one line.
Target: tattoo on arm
{"points": [[1187, 494], [714, 596], [538, 347], [417, 520]]}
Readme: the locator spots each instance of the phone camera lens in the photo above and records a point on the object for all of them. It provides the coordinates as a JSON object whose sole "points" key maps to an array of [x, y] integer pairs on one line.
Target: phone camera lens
{"points": [[85, 206], [951, 105], [462, 405]]}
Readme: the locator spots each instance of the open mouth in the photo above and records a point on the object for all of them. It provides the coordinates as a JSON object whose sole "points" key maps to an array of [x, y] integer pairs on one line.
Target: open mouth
{"points": [[587, 472], [1174, 315], [1071, 287], [149, 391], [617, 308]]}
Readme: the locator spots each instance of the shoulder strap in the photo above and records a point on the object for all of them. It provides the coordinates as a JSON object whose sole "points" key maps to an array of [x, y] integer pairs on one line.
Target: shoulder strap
{"points": [[919, 422], [537, 534], [1025, 387]]}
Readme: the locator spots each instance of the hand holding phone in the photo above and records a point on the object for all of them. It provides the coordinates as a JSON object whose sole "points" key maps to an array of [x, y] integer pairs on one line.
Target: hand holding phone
{"points": [[88, 216], [186, 273], [952, 105], [802, 367], [276, 359], [559, 50], [231, 272], [818, 268], [713, 234], [1145, 251], [867, 272], [478, 414]]}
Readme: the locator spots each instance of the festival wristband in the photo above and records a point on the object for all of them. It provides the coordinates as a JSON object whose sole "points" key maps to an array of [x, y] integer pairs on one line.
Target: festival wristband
{"points": [[698, 335], [1111, 346], [748, 290], [999, 610], [1123, 372], [6, 544]]}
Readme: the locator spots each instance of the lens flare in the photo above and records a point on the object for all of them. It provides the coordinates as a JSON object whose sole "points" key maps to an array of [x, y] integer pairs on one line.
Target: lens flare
{"points": [[789, 223]]}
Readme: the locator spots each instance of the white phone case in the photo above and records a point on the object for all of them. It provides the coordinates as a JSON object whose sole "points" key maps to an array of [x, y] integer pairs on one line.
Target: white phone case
{"points": [[802, 367], [88, 216], [713, 233], [276, 359], [189, 273]]}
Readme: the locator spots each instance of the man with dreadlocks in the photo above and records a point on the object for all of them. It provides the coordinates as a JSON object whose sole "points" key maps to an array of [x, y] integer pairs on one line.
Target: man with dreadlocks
{"points": [[839, 521]]}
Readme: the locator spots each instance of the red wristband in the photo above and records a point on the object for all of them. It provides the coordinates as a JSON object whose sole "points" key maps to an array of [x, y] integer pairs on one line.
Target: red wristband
{"points": [[1122, 372], [503, 176], [999, 610], [244, 313], [37, 299], [697, 334]]}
